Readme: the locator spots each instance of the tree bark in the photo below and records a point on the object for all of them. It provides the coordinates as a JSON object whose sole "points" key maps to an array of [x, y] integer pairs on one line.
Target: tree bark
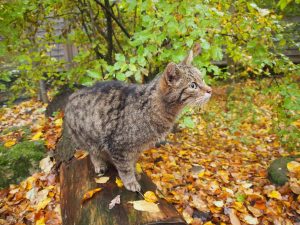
{"points": [[77, 177], [43, 91]]}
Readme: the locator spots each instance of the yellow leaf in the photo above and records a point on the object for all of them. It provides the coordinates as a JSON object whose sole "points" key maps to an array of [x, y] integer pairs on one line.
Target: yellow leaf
{"points": [[30, 181], [138, 168], [119, 182], [10, 143], [37, 136], [58, 122], [89, 194], [43, 204], [150, 196], [275, 194], [101, 180], [208, 223], [40, 221], [142, 205], [80, 154], [187, 217], [293, 167], [182, 152], [201, 174]]}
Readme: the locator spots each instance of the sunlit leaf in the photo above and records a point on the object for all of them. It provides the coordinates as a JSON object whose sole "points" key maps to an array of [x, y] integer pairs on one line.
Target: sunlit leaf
{"points": [[150, 196], [142, 205]]}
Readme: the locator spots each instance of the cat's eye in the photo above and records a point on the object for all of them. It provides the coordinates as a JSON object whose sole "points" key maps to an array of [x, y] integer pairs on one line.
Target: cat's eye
{"points": [[193, 85]]}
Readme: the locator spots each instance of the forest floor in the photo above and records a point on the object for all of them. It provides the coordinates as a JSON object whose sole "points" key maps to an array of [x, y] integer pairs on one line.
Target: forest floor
{"points": [[214, 172]]}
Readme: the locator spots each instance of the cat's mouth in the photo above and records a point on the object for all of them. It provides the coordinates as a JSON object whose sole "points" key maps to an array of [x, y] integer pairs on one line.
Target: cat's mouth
{"points": [[203, 99]]}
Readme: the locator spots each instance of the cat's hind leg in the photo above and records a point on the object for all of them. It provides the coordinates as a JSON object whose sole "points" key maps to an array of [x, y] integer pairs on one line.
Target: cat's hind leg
{"points": [[99, 163], [126, 170]]}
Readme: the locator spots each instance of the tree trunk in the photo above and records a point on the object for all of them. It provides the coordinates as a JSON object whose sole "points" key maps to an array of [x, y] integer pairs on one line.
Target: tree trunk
{"points": [[43, 91], [77, 178]]}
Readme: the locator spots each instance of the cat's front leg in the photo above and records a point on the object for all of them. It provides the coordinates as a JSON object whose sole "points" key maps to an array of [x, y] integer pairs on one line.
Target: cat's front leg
{"points": [[99, 163], [126, 170]]}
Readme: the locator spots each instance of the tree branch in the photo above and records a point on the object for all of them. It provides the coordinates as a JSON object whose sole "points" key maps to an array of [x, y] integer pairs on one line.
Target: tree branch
{"points": [[114, 18]]}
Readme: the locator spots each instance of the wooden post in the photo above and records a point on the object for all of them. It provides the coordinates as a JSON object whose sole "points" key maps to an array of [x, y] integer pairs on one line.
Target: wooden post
{"points": [[77, 177]]}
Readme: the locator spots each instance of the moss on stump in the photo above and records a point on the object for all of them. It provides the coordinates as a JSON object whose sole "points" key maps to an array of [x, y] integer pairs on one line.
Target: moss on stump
{"points": [[19, 161], [277, 171]]}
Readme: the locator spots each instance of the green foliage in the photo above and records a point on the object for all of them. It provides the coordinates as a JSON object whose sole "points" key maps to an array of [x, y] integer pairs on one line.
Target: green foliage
{"points": [[288, 111], [131, 40], [19, 161]]}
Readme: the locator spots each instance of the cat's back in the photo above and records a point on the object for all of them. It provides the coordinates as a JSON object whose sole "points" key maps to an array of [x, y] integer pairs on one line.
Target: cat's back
{"points": [[105, 92]]}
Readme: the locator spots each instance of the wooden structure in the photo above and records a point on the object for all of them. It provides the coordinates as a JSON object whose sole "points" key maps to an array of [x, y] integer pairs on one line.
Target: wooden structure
{"points": [[77, 177]]}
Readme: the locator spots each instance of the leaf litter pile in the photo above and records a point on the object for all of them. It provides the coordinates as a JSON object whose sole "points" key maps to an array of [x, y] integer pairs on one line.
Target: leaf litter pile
{"points": [[214, 173]]}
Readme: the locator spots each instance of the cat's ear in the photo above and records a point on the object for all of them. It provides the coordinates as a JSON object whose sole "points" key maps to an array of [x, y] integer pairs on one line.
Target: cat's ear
{"points": [[171, 74], [192, 53]]}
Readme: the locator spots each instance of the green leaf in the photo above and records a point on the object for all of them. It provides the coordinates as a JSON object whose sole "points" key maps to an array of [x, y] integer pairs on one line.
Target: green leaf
{"points": [[216, 53], [93, 74], [188, 122], [120, 57], [240, 197], [204, 44], [86, 81], [121, 76]]}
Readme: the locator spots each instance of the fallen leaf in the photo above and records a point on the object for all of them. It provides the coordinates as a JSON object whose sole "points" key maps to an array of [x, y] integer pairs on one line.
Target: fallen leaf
{"points": [[219, 204], [80, 154], [119, 182], [256, 212], [295, 185], [40, 221], [43, 204], [233, 218], [10, 143], [293, 167], [46, 164], [187, 217], [150, 196], [115, 201], [89, 194], [275, 194], [142, 205], [58, 122], [101, 180], [138, 168], [250, 219], [37, 136]]}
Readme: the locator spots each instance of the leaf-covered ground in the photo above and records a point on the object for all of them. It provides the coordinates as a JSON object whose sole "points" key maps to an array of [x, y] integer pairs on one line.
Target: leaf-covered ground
{"points": [[214, 173]]}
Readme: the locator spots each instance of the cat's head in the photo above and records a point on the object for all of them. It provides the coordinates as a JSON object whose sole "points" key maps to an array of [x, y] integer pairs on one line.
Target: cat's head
{"points": [[183, 83]]}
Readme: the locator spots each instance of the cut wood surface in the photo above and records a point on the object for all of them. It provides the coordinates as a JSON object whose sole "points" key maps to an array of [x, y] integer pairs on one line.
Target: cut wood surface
{"points": [[77, 178]]}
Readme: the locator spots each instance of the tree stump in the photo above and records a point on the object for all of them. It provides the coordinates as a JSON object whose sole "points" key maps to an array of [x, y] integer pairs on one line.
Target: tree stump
{"points": [[77, 178]]}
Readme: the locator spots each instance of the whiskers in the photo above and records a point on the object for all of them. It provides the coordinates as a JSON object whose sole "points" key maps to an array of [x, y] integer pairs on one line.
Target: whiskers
{"points": [[199, 102]]}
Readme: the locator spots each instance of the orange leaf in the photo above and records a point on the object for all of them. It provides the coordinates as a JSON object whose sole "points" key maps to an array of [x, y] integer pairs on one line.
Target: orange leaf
{"points": [[89, 194], [80, 154]]}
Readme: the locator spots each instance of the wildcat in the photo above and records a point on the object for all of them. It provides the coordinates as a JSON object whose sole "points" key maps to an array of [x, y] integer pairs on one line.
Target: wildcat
{"points": [[115, 122]]}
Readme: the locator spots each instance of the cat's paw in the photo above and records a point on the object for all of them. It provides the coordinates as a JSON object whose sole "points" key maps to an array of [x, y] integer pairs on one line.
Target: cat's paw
{"points": [[133, 186]]}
